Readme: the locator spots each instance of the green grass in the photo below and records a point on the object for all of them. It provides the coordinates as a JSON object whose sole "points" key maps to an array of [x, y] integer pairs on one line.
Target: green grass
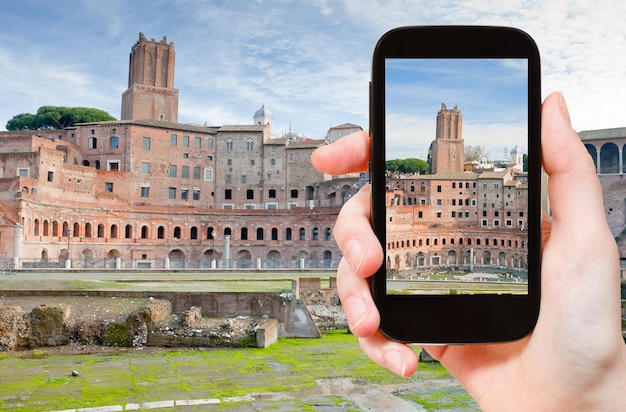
{"points": [[117, 377]]}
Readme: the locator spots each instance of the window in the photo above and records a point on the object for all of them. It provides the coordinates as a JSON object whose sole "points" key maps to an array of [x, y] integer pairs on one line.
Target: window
{"points": [[161, 232], [144, 232], [108, 187], [92, 143], [145, 191], [274, 233], [229, 179], [145, 143], [316, 233], [172, 170], [185, 155], [114, 142], [173, 140], [454, 185], [208, 174], [294, 193], [113, 165], [185, 172], [193, 233], [228, 194], [272, 194], [288, 233], [229, 144], [438, 202], [250, 194], [196, 173], [439, 189], [249, 144], [128, 232], [327, 233], [244, 233], [484, 222], [302, 233], [196, 194], [252, 162], [184, 194], [197, 142], [210, 143], [260, 233], [50, 176], [177, 232], [244, 178], [145, 168], [186, 141], [172, 193], [229, 162], [210, 233], [273, 162], [438, 215]]}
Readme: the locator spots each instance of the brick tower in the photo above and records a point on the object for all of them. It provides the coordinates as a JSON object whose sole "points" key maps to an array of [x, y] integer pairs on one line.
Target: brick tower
{"points": [[448, 147], [151, 93]]}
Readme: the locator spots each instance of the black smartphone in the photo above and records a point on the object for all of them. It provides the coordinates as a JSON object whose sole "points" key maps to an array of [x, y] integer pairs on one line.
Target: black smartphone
{"points": [[455, 176]]}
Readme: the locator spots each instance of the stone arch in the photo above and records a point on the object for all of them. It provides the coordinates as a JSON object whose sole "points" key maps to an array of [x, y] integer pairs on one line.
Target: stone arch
{"points": [[274, 259], [502, 259], [609, 158], [244, 259], [593, 152], [451, 259], [113, 254], [327, 258], [486, 257], [177, 258]]}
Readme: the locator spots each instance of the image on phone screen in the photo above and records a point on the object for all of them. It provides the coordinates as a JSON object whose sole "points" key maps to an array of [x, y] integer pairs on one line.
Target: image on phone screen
{"points": [[456, 176]]}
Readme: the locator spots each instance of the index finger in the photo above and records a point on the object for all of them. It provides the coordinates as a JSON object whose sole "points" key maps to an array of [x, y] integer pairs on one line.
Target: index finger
{"points": [[347, 155]]}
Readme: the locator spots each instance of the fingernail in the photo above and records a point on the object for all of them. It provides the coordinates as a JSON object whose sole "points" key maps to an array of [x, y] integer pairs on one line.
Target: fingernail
{"points": [[395, 362], [355, 253], [564, 109], [357, 308]]}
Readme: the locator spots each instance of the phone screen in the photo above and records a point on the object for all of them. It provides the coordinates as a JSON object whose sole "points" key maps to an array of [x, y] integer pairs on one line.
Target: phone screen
{"points": [[456, 176]]}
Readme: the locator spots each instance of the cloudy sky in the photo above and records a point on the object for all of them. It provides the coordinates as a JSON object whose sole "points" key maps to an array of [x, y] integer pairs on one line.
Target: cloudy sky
{"points": [[308, 61]]}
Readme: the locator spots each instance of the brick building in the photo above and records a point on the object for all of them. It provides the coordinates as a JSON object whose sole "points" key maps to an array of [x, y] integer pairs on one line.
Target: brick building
{"points": [[455, 217], [147, 192]]}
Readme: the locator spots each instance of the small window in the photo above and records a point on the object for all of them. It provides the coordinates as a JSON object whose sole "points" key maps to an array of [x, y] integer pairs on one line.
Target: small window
{"points": [[228, 194], [197, 142], [172, 193], [92, 143], [439, 189], [145, 191], [229, 144], [186, 141], [208, 174], [184, 194], [272, 194], [108, 187], [196, 173], [114, 142], [145, 143], [294, 193], [250, 194], [210, 143], [173, 140], [145, 168], [172, 171], [244, 178], [196, 194], [185, 172], [50, 176], [250, 144]]}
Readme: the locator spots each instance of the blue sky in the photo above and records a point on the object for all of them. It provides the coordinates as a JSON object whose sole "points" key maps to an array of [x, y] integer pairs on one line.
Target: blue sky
{"points": [[491, 94], [309, 62]]}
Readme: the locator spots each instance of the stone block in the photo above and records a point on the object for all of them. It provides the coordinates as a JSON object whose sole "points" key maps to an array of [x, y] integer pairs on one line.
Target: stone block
{"points": [[267, 333]]}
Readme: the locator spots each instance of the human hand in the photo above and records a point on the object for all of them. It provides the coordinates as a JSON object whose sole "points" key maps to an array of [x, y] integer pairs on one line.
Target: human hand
{"points": [[575, 359]]}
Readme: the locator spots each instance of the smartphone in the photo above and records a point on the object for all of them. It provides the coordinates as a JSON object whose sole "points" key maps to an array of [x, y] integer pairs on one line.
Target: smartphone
{"points": [[455, 176]]}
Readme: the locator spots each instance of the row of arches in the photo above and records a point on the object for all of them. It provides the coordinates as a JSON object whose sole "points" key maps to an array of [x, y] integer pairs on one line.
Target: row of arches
{"points": [[452, 257], [608, 159], [114, 231], [505, 242]]}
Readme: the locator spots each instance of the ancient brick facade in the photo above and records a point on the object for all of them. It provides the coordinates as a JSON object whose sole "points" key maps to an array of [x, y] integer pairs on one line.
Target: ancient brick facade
{"points": [[145, 192]]}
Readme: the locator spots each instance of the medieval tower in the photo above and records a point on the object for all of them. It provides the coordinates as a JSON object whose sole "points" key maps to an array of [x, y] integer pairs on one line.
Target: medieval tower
{"points": [[448, 147], [151, 93]]}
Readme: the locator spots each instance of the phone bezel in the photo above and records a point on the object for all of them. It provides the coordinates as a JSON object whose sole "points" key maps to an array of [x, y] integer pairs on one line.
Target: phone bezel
{"points": [[457, 319]]}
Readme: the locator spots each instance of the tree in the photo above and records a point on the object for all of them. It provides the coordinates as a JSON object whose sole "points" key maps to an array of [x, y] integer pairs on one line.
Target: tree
{"points": [[407, 166], [475, 153], [57, 117]]}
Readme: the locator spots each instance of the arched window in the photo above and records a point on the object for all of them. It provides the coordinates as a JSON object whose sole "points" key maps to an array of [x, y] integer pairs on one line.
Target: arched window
{"points": [[260, 234], [249, 144], [113, 231], [100, 230], [210, 233], [144, 232], [302, 233], [288, 233], [87, 229], [76, 231], [244, 233], [128, 232], [161, 232], [55, 228], [316, 233], [193, 233], [177, 232], [274, 233], [228, 232], [114, 142], [327, 233], [36, 228], [229, 144]]}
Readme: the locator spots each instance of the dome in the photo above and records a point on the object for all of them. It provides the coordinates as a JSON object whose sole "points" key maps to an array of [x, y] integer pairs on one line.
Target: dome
{"points": [[263, 112]]}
